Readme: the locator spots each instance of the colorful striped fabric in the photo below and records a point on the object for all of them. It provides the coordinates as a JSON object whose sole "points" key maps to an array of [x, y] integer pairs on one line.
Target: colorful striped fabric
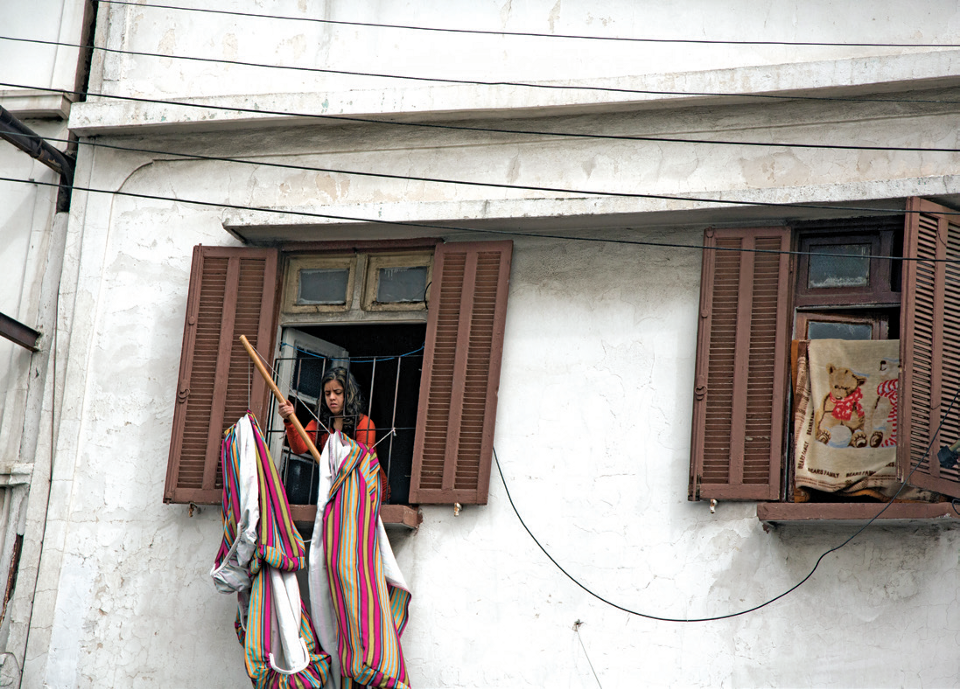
{"points": [[370, 614], [280, 644]]}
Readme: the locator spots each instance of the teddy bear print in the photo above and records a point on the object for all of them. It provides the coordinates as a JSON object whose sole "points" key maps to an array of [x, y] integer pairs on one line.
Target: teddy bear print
{"points": [[842, 407]]}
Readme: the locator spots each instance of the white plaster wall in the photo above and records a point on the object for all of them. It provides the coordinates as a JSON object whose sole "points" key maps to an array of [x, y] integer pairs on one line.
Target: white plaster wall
{"points": [[38, 63], [652, 70], [600, 339], [592, 432], [491, 57], [26, 214]]}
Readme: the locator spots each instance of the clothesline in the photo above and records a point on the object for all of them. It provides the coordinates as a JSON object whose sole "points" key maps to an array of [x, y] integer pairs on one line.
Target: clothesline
{"points": [[354, 360]]}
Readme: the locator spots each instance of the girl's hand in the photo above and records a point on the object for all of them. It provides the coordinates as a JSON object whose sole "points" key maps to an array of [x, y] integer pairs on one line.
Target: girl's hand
{"points": [[286, 410]]}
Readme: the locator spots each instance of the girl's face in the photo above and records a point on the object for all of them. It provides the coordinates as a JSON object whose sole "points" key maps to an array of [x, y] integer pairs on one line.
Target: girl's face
{"points": [[333, 396]]}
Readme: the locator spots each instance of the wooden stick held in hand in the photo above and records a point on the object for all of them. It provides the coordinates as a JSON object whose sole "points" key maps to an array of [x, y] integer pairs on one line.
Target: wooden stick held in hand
{"points": [[279, 395]]}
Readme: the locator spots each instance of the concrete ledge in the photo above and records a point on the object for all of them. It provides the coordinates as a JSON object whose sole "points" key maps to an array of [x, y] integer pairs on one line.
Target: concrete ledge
{"points": [[854, 513], [30, 104], [850, 78], [401, 516]]}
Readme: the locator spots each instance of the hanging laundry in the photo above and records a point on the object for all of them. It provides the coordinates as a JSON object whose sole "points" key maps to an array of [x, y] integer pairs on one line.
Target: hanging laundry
{"points": [[359, 597], [258, 559]]}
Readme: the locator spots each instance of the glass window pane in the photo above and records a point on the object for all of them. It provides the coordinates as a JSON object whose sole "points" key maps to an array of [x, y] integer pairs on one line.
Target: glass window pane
{"points": [[401, 284], [828, 270], [308, 373], [825, 330], [323, 286]]}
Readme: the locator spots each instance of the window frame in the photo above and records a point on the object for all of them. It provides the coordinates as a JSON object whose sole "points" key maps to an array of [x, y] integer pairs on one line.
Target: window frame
{"points": [[921, 216], [484, 324], [881, 290], [291, 283], [879, 325], [395, 260]]}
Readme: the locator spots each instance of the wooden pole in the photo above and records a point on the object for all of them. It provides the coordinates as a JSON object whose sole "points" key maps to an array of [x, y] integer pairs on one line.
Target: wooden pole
{"points": [[279, 395]]}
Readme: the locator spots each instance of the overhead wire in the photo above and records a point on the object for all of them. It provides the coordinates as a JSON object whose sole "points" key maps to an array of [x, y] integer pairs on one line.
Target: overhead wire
{"points": [[489, 130], [476, 82], [496, 458], [530, 34], [436, 226], [716, 618], [478, 230]]}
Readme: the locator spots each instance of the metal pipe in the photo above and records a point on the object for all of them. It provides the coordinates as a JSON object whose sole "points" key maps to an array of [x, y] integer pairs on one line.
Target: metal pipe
{"points": [[17, 332], [31, 143]]}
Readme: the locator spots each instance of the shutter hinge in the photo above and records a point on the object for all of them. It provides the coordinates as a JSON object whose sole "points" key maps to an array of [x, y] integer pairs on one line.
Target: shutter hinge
{"points": [[700, 391]]}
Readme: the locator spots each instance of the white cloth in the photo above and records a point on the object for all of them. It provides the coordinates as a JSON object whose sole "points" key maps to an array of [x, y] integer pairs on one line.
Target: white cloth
{"points": [[233, 574]]}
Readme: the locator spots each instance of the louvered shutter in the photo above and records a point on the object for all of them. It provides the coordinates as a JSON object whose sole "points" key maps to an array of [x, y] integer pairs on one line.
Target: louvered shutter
{"points": [[461, 373], [232, 293], [742, 358], [929, 346]]}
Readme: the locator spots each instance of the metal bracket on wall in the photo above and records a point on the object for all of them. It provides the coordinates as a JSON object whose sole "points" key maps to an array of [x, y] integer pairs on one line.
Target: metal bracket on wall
{"points": [[21, 334]]}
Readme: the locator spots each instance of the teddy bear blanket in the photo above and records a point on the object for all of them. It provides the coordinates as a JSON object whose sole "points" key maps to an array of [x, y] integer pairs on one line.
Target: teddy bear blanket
{"points": [[845, 420]]}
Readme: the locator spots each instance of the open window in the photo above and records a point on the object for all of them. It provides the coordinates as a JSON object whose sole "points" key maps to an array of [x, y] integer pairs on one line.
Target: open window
{"points": [[421, 328], [755, 300]]}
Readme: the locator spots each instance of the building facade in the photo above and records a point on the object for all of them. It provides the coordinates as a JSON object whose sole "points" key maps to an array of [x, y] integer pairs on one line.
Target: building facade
{"points": [[574, 179]]}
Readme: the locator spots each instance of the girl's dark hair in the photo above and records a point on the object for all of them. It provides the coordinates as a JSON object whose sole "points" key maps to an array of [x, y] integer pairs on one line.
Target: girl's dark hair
{"points": [[352, 400]]}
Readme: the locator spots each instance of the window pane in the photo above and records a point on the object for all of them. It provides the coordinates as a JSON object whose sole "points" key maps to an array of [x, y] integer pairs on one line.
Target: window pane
{"points": [[824, 330], [308, 373], [401, 284], [827, 269], [323, 286]]}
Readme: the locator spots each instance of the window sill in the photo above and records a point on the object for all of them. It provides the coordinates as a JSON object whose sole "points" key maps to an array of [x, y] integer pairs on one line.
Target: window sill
{"points": [[775, 513], [393, 516]]}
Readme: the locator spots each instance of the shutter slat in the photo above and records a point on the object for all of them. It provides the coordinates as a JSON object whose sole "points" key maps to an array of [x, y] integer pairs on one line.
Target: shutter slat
{"points": [[742, 349], [232, 292], [929, 346], [461, 373]]}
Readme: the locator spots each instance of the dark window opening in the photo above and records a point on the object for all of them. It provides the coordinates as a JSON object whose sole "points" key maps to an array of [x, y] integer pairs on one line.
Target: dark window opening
{"points": [[847, 287], [386, 360]]}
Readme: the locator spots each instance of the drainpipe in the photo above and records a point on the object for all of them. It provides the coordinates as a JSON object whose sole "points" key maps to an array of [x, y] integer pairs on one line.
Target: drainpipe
{"points": [[31, 143]]}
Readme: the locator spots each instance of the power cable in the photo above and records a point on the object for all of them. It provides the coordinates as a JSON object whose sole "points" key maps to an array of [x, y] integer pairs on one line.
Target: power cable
{"points": [[531, 34], [469, 183], [576, 630], [716, 618], [488, 130], [476, 230], [473, 82]]}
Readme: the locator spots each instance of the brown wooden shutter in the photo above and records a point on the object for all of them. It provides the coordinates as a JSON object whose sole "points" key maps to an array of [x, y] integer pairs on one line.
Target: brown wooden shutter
{"points": [[232, 293], [742, 365], [461, 373], [929, 346]]}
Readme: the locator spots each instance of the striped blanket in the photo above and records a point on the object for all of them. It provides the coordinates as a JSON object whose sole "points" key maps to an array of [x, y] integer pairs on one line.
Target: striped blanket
{"points": [[365, 606], [260, 553]]}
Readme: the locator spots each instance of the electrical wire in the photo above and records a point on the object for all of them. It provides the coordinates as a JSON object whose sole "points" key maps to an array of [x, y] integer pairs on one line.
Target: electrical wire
{"points": [[441, 180], [353, 359], [530, 34], [308, 168], [474, 82], [740, 613], [504, 233], [576, 630], [489, 130]]}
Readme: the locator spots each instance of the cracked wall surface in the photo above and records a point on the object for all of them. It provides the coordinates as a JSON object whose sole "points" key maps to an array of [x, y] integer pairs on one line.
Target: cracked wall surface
{"points": [[593, 420]]}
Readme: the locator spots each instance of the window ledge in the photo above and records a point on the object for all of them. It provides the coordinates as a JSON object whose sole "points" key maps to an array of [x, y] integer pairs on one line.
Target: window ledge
{"points": [[772, 513], [393, 516]]}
